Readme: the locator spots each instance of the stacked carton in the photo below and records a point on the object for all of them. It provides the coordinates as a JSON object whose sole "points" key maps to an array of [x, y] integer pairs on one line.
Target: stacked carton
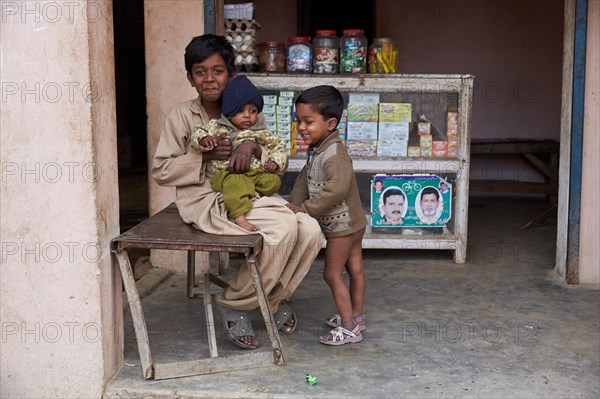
{"points": [[394, 122], [278, 115], [343, 126], [363, 116], [452, 133]]}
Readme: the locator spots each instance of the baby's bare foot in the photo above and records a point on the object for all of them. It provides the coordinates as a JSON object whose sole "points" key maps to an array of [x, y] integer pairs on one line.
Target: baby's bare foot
{"points": [[245, 224]]}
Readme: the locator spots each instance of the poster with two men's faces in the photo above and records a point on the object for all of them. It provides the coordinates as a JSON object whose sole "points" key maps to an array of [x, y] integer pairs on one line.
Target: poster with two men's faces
{"points": [[420, 200]]}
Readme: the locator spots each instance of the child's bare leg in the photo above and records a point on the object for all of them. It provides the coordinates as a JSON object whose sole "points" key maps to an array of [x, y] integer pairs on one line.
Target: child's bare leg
{"points": [[354, 266], [336, 255], [245, 224]]}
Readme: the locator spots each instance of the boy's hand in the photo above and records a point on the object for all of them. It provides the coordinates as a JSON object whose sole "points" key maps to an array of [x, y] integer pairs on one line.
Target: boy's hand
{"points": [[222, 150], [295, 208], [241, 157], [208, 141], [271, 166]]}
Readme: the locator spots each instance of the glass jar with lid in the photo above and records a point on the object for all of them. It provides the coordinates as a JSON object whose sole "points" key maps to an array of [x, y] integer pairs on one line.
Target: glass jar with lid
{"points": [[299, 54], [383, 56], [353, 51], [271, 57], [326, 48]]}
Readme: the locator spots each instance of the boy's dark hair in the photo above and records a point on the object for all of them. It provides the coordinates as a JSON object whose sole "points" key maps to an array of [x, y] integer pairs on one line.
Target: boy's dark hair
{"points": [[202, 47], [326, 100]]}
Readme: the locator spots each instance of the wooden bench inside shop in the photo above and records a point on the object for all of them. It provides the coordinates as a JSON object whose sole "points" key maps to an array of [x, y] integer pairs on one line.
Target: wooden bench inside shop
{"points": [[167, 231], [541, 155]]}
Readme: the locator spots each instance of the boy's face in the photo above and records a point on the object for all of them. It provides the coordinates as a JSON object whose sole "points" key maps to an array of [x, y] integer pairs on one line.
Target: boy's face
{"points": [[393, 208], [209, 77], [246, 118], [311, 125]]}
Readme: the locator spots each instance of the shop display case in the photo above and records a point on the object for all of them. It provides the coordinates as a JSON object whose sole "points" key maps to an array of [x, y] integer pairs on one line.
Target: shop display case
{"points": [[431, 149]]}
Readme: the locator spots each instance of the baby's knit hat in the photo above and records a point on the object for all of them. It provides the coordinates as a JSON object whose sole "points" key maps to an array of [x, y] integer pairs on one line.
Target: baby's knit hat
{"points": [[239, 92]]}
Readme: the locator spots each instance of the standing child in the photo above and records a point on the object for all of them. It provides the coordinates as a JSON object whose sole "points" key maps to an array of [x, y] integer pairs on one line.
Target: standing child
{"points": [[326, 189], [241, 104]]}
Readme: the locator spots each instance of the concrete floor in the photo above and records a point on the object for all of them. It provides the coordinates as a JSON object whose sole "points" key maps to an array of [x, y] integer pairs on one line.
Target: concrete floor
{"points": [[501, 326]]}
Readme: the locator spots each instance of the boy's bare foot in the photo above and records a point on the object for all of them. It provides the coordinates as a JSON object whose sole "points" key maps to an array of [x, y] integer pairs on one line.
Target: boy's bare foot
{"points": [[245, 224]]}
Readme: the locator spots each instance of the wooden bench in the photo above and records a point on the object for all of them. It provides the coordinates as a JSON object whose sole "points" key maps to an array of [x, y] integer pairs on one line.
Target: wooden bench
{"points": [[541, 155], [166, 230]]}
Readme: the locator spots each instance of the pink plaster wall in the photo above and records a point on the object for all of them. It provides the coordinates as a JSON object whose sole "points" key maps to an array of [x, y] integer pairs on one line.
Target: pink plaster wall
{"points": [[59, 205], [514, 48], [589, 246], [169, 26]]}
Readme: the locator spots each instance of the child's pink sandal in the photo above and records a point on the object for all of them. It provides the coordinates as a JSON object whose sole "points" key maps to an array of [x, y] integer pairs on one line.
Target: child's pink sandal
{"points": [[341, 336], [336, 321]]}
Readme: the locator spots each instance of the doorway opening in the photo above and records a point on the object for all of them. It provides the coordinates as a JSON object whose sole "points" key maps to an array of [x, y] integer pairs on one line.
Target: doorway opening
{"points": [[130, 80]]}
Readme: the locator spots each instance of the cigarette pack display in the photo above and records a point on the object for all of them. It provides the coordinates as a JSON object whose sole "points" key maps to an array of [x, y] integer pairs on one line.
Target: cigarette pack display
{"points": [[363, 98], [392, 148], [283, 109], [284, 118], [362, 130], [424, 128], [425, 141], [393, 131], [439, 145], [286, 101], [452, 117], [270, 117], [270, 99], [413, 151], [361, 148], [395, 112], [363, 112]]}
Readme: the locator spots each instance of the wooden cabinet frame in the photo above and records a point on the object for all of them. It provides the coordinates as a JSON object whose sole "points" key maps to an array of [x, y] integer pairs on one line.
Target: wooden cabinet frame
{"points": [[462, 85]]}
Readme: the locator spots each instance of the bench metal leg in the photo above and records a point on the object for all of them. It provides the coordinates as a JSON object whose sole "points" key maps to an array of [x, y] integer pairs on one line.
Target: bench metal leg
{"points": [[135, 305]]}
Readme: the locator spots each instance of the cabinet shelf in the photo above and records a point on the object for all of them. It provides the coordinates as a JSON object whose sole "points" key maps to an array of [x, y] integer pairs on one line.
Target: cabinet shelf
{"points": [[429, 94], [394, 165]]}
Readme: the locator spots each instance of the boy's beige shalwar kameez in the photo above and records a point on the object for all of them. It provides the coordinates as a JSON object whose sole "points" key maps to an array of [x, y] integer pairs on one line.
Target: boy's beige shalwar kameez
{"points": [[291, 241]]}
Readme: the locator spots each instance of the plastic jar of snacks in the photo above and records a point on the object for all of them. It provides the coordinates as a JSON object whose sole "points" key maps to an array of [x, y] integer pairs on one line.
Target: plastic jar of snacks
{"points": [[271, 57], [353, 51], [299, 54], [383, 56], [326, 49]]}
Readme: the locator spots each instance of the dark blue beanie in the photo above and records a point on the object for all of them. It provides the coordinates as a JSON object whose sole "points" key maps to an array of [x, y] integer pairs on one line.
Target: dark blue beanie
{"points": [[239, 92]]}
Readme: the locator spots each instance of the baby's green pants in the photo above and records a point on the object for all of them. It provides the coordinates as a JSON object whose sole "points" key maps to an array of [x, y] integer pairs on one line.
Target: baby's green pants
{"points": [[239, 188]]}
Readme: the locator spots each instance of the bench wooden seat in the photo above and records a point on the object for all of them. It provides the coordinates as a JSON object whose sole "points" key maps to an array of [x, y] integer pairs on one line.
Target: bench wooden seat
{"points": [[166, 230], [541, 155]]}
